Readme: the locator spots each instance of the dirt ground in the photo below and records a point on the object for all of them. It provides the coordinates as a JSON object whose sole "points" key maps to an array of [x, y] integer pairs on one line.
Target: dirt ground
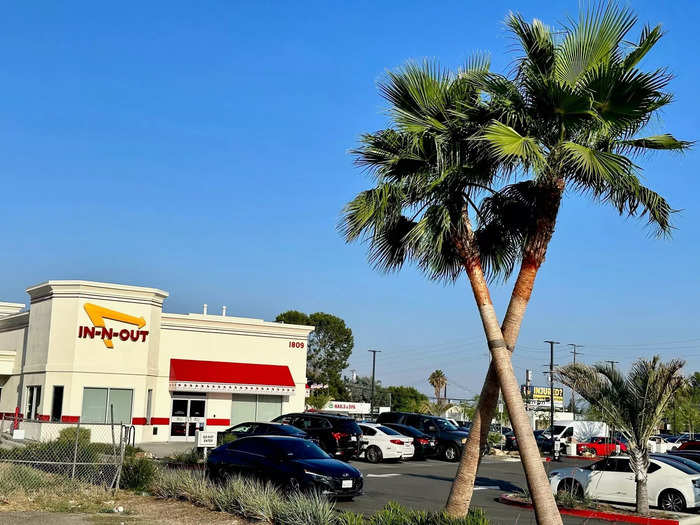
{"points": [[137, 509]]}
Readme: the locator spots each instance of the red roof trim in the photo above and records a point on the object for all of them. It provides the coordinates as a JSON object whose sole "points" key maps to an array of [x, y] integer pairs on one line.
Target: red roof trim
{"points": [[190, 370]]}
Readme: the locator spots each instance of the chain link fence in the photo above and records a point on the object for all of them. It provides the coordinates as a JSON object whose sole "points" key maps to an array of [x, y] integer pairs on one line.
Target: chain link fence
{"points": [[91, 453]]}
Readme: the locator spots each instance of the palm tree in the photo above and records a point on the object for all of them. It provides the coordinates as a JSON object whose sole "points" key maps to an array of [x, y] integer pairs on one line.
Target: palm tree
{"points": [[572, 116], [438, 408], [429, 174], [634, 405], [438, 381]]}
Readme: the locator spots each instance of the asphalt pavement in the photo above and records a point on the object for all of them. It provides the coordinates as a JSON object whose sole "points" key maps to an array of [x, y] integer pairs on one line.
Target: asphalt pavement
{"points": [[426, 484]]}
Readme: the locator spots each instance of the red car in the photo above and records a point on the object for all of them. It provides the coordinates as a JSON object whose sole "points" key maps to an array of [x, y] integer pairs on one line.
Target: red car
{"points": [[600, 446]]}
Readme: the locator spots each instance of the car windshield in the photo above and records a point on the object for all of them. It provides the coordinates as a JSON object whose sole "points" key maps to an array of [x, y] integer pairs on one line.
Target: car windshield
{"points": [[346, 425], [558, 429], [389, 431], [444, 424], [301, 449]]}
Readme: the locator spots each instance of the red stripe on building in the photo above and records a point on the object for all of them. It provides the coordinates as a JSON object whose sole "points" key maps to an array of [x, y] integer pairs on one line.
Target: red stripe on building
{"points": [[160, 421], [43, 417], [138, 420], [70, 419], [194, 371], [219, 422]]}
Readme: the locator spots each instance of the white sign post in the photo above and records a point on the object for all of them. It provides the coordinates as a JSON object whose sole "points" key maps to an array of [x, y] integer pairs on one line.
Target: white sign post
{"points": [[206, 440]]}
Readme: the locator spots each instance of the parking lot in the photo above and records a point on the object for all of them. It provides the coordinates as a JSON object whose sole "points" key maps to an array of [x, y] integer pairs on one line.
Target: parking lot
{"points": [[426, 484]]}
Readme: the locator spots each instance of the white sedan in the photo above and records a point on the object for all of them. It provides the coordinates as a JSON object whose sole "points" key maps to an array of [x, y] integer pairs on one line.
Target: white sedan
{"points": [[380, 442], [672, 485], [659, 444]]}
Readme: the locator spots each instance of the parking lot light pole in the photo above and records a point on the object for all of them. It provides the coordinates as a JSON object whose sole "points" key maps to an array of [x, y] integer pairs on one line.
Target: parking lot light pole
{"points": [[371, 395]]}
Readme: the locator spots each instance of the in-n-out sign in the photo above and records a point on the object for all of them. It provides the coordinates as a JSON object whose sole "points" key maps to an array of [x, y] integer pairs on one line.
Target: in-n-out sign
{"points": [[98, 314]]}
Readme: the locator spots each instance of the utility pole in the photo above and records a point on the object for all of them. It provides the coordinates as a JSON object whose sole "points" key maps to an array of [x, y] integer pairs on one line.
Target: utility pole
{"points": [[573, 394], [551, 390], [371, 396], [612, 363]]}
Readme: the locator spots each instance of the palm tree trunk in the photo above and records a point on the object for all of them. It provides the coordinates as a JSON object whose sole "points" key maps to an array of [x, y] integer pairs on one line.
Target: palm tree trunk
{"points": [[639, 463], [546, 511], [547, 208], [463, 485]]}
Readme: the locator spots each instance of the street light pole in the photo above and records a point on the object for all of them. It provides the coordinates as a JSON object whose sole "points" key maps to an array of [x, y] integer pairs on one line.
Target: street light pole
{"points": [[371, 396]]}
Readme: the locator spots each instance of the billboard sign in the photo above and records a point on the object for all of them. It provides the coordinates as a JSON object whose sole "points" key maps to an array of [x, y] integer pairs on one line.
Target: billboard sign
{"points": [[540, 396]]}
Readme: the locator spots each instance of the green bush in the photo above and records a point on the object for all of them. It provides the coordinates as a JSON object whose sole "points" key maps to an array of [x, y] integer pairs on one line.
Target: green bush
{"points": [[137, 474], [261, 501], [191, 457], [68, 434]]}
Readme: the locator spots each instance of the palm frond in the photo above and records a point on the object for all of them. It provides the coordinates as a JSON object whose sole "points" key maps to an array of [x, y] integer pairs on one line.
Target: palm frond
{"points": [[536, 41], [655, 142], [592, 40], [647, 40], [506, 144]]}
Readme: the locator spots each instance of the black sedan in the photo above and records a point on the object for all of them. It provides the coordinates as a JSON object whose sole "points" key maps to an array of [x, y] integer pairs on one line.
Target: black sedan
{"points": [[424, 445], [289, 462], [252, 428]]}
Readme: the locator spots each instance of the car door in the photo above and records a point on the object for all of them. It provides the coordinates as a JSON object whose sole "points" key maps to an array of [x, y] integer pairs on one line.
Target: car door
{"points": [[617, 482]]}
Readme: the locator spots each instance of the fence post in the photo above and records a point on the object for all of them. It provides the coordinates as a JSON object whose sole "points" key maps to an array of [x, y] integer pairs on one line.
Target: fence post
{"points": [[75, 449]]}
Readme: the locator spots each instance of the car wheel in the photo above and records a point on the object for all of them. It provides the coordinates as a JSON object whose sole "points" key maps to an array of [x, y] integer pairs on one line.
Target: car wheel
{"points": [[672, 500], [571, 486], [451, 453], [373, 454]]}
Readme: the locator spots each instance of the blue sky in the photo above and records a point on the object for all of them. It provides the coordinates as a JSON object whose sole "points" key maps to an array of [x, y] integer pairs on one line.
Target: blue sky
{"points": [[212, 142]]}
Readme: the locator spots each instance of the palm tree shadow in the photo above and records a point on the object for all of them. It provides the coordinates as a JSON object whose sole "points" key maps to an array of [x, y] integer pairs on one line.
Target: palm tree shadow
{"points": [[480, 482]]}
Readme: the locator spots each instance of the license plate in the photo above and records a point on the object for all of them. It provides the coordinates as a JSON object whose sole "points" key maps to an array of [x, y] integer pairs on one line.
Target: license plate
{"points": [[347, 484], [352, 438]]}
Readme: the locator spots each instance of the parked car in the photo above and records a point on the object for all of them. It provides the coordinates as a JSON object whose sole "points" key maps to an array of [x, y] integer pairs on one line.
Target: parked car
{"points": [[462, 426], [380, 442], [424, 445], [690, 445], [289, 462], [450, 440], [511, 443], [601, 446], [338, 435], [660, 444], [693, 465], [680, 439], [671, 485], [253, 428]]}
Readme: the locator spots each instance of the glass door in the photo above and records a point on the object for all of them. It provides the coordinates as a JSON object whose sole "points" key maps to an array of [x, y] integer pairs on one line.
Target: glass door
{"points": [[186, 417]]}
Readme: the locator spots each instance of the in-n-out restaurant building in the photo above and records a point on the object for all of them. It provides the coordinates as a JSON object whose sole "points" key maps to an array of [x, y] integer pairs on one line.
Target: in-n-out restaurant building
{"points": [[86, 350]]}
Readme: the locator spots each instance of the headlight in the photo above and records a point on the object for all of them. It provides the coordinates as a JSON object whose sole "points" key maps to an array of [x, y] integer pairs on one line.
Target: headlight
{"points": [[464, 440], [316, 475]]}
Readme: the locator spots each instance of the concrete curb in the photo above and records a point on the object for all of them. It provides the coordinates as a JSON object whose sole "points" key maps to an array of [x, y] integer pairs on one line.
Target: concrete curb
{"points": [[601, 515]]}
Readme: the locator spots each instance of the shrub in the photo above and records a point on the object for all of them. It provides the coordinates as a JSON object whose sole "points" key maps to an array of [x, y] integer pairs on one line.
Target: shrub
{"points": [[395, 514], [68, 434], [191, 457], [308, 509], [137, 474], [257, 500]]}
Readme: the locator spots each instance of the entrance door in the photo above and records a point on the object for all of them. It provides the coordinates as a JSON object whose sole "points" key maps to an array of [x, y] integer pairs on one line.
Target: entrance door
{"points": [[186, 417]]}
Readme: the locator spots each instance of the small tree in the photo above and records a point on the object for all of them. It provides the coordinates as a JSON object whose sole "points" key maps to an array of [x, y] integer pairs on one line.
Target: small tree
{"points": [[634, 404], [318, 400]]}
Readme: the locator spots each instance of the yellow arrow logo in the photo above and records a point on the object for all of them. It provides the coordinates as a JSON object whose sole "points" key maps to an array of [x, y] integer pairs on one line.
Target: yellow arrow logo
{"points": [[98, 314]]}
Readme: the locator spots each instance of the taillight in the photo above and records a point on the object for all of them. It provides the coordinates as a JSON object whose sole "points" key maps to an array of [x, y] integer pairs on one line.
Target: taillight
{"points": [[423, 441], [338, 435], [396, 441]]}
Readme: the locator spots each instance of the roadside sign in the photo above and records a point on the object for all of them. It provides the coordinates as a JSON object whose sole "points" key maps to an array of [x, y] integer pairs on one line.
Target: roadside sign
{"points": [[206, 439]]}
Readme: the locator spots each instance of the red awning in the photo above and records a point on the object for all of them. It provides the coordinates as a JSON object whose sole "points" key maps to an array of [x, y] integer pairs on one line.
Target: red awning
{"points": [[220, 376]]}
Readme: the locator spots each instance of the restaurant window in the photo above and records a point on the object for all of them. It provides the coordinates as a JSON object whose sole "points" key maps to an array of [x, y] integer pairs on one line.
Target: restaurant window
{"points": [[57, 403], [100, 404], [251, 407], [33, 400]]}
